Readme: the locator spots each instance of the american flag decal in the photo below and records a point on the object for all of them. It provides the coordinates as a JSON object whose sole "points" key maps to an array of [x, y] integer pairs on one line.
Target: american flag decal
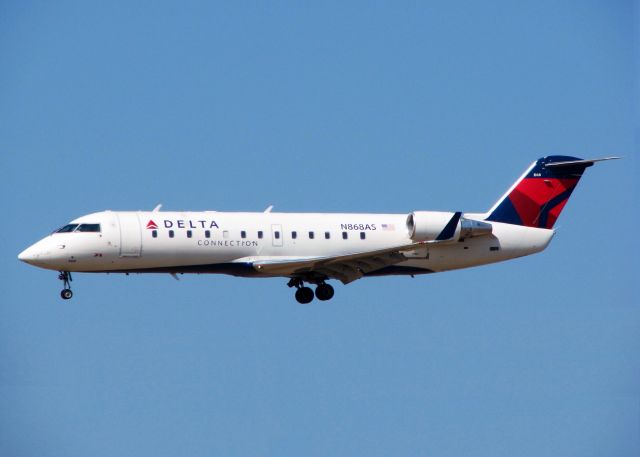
{"points": [[388, 227]]}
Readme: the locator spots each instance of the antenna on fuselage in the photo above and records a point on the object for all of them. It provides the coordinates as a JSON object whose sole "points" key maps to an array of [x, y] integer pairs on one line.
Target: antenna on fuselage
{"points": [[269, 208], [157, 208]]}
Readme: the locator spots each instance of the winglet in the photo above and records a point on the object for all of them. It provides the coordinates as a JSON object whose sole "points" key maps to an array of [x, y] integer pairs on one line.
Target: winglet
{"points": [[450, 229]]}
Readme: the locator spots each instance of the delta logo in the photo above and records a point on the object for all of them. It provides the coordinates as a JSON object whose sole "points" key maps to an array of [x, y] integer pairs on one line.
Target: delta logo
{"points": [[183, 223]]}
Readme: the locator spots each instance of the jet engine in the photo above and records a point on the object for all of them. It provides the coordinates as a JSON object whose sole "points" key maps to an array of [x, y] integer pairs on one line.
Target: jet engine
{"points": [[438, 226]]}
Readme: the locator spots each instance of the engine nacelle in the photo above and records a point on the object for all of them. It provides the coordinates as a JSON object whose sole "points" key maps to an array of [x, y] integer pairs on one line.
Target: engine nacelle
{"points": [[427, 225]]}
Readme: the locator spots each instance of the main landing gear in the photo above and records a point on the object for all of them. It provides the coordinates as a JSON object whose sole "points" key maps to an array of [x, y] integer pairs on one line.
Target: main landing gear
{"points": [[305, 295], [65, 277]]}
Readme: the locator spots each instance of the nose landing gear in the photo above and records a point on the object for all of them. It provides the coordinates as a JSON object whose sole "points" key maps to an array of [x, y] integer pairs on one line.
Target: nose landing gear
{"points": [[65, 277], [305, 294]]}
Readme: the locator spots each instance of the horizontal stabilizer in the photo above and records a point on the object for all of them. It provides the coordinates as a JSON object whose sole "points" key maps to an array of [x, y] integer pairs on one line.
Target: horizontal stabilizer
{"points": [[583, 162]]}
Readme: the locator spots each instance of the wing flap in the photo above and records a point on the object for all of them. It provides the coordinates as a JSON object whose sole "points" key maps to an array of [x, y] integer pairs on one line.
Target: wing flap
{"points": [[346, 268]]}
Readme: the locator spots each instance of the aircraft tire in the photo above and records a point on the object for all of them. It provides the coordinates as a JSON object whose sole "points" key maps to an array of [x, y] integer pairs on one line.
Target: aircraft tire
{"points": [[304, 295], [324, 292], [66, 294]]}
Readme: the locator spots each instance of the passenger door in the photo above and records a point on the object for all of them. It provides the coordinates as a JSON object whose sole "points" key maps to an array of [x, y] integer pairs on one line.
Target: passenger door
{"points": [[130, 235]]}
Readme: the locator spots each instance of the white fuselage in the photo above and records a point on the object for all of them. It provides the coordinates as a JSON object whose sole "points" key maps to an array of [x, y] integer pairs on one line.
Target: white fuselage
{"points": [[231, 242]]}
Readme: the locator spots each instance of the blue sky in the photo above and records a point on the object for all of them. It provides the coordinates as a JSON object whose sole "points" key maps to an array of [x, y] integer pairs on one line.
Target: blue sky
{"points": [[345, 106]]}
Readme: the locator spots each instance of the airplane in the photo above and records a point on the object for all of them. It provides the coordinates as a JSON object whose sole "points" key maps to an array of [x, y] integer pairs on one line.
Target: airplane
{"points": [[313, 248]]}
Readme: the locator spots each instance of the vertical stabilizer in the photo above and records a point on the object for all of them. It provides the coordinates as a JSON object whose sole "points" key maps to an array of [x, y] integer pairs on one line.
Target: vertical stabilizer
{"points": [[538, 197]]}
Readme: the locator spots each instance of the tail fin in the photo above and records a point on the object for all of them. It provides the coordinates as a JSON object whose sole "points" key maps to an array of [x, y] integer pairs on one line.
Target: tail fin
{"points": [[538, 197]]}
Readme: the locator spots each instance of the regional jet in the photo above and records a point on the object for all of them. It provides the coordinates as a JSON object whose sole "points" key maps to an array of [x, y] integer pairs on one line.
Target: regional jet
{"points": [[313, 248]]}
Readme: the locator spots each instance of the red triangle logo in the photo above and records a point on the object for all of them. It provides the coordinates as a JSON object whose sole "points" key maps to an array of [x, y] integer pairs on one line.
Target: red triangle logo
{"points": [[151, 224]]}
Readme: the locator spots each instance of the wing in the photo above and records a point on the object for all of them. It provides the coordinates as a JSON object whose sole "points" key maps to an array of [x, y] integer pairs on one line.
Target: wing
{"points": [[346, 268], [349, 267]]}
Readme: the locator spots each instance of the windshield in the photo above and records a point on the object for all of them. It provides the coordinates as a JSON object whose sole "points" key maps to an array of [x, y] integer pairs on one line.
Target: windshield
{"points": [[88, 228], [67, 228], [79, 228]]}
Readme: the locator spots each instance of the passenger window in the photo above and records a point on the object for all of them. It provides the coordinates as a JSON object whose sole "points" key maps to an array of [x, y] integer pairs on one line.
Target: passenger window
{"points": [[207, 233], [260, 234], [88, 228], [189, 233], [170, 233], [294, 235], [243, 234], [363, 235], [276, 234], [327, 235], [154, 233], [225, 234], [311, 235], [345, 235]]}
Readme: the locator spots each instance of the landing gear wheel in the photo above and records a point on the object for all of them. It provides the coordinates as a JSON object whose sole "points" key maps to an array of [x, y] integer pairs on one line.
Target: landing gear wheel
{"points": [[304, 295], [65, 277], [66, 294], [324, 292]]}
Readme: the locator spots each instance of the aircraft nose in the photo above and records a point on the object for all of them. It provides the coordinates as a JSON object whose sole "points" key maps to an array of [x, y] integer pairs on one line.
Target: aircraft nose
{"points": [[46, 253], [38, 254], [29, 255]]}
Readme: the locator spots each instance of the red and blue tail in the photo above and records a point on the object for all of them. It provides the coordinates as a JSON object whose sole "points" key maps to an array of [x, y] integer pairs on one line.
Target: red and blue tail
{"points": [[538, 197]]}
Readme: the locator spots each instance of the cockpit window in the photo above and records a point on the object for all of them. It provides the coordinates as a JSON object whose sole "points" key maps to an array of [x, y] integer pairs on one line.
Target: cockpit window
{"points": [[67, 228], [79, 228], [88, 228]]}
